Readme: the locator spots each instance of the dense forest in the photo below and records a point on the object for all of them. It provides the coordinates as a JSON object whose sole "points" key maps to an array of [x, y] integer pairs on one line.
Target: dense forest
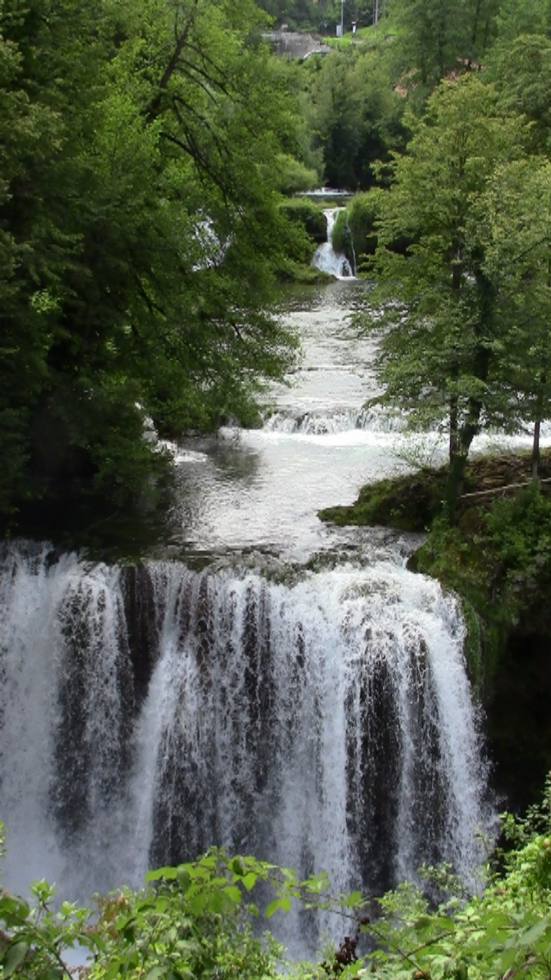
{"points": [[139, 235], [146, 152]]}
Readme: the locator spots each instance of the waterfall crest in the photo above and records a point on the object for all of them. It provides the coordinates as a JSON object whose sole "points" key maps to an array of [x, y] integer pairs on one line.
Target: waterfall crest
{"points": [[324, 722]]}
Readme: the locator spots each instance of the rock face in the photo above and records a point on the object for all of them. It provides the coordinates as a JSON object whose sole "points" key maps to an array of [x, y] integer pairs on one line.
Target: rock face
{"points": [[518, 716]]}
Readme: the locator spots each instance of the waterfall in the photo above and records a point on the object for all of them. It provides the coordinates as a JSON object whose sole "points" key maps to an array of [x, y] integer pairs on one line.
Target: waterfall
{"points": [[324, 422], [323, 721], [325, 258], [353, 249]]}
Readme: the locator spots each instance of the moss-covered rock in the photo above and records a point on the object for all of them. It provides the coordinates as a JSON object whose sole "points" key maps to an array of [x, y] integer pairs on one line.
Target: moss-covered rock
{"points": [[405, 502]]}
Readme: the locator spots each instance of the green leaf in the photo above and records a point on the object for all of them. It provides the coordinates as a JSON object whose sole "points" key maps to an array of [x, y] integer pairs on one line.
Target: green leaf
{"points": [[233, 893], [155, 972], [237, 865], [114, 968], [14, 956], [283, 903], [353, 899], [531, 935], [198, 902], [166, 874]]}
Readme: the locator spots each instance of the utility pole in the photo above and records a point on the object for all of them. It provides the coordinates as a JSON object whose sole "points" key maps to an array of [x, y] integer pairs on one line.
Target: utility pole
{"points": [[376, 13], [342, 19]]}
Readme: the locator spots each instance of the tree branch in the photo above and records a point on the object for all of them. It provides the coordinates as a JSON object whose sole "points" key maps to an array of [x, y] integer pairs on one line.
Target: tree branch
{"points": [[152, 109]]}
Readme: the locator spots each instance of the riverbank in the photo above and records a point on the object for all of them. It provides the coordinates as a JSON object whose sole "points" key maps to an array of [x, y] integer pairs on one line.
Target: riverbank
{"points": [[497, 558]]}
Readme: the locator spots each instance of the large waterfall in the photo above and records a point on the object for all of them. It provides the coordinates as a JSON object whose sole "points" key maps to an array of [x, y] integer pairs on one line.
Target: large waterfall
{"points": [[324, 722], [260, 681]]}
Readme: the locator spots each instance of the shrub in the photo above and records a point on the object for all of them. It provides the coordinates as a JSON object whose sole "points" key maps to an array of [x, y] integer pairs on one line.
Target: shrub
{"points": [[309, 215]]}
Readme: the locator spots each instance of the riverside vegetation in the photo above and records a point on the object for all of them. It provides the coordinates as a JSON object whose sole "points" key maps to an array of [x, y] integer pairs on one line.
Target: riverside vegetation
{"points": [[453, 231], [196, 921]]}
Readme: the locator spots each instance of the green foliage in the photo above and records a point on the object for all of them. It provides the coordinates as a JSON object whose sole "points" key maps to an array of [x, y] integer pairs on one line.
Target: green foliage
{"points": [[530, 17], [405, 502], [435, 306], [194, 920], [521, 71], [309, 214], [354, 232], [355, 115], [293, 176], [498, 559], [519, 534], [504, 932], [439, 39], [140, 234]]}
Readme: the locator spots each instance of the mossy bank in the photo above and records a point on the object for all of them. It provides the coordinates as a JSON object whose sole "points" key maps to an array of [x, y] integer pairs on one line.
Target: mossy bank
{"points": [[497, 557]]}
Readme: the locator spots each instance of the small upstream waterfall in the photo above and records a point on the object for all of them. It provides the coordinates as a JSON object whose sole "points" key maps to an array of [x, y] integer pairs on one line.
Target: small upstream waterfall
{"points": [[324, 722], [314, 423], [325, 258]]}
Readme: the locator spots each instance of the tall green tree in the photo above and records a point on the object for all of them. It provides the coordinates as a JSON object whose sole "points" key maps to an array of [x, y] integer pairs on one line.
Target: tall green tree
{"points": [[355, 116], [516, 229], [528, 17], [435, 306], [437, 38], [140, 233], [521, 72]]}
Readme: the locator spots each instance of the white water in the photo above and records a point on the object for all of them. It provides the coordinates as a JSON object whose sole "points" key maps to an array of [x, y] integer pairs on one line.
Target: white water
{"points": [[323, 723], [304, 697], [325, 258]]}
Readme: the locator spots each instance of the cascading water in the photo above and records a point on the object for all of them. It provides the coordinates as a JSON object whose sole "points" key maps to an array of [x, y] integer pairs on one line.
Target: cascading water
{"points": [[324, 723], [302, 697], [325, 258]]}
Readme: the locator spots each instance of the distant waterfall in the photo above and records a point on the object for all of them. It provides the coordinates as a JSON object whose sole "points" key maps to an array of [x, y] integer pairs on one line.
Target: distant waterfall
{"points": [[323, 722], [325, 258]]}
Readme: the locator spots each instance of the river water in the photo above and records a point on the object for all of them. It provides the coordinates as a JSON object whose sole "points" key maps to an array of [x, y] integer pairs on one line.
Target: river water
{"points": [[262, 488], [263, 681]]}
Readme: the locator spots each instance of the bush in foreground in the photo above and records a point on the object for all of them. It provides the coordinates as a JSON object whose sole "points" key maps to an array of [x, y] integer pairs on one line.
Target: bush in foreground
{"points": [[196, 921]]}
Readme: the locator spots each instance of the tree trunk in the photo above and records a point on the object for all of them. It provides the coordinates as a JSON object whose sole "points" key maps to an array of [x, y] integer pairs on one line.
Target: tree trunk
{"points": [[459, 453], [454, 484], [537, 428], [536, 450], [454, 435]]}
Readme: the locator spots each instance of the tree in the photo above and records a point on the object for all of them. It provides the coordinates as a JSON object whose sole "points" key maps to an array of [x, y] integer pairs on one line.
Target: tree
{"points": [[355, 115], [521, 72], [516, 230], [140, 234], [435, 305], [437, 38], [529, 17]]}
